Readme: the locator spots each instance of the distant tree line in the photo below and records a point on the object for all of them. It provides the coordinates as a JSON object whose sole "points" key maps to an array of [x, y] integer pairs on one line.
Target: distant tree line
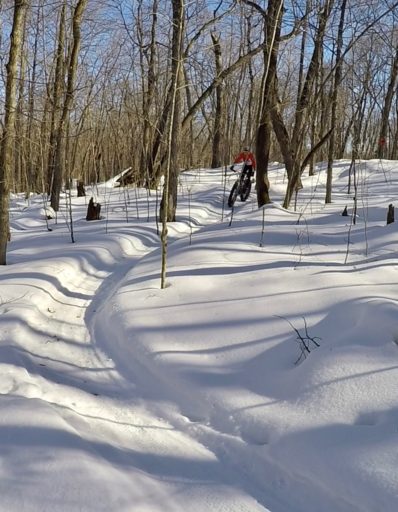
{"points": [[91, 87]]}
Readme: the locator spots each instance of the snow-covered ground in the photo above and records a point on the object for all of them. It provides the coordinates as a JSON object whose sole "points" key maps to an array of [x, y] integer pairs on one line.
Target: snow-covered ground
{"points": [[116, 395]]}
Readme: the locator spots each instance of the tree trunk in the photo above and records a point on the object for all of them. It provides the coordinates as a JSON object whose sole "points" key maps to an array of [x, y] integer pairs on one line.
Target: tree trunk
{"points": [[59, 158], [272, 28], [56, 99], [19, 174], [382, 146], [6, 162], [168, 204], [250, 125], [336, 87], [154, 170], [32, 171], [149, 90], [293, 146], [216, 160]]}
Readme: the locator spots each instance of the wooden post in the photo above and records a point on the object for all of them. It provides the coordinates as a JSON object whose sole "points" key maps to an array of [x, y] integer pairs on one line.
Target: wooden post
{"points": [[93, 210], [390, 214], [80, 189]]}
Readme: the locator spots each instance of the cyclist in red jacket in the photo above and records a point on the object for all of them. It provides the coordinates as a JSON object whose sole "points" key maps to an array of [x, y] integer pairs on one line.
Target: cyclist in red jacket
{"points": [[247, 158]]}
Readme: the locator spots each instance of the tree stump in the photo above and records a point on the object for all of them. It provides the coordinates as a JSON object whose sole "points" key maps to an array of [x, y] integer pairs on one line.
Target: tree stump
{"points": [[93, 210], [390, 214], [345, 212], [81, 192]]}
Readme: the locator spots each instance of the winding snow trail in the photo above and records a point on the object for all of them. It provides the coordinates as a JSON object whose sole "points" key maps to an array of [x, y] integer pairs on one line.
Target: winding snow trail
{"points": [[118, 396], [82, 434]]}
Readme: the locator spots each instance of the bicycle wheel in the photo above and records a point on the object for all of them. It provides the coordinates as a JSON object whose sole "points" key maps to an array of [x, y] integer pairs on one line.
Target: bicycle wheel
{"points": [[233, 194], [246, 190]]}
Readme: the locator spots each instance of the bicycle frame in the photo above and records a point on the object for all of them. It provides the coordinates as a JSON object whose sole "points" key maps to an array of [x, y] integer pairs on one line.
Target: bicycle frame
{"points": [[241, 187]]}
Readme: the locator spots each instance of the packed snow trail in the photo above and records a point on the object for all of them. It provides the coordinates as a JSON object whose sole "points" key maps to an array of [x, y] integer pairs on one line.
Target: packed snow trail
{"points": [[200, 366], [75, 434], [120, 396]]}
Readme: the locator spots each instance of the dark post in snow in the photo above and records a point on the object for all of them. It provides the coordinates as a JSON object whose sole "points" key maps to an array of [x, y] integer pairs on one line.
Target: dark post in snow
{"points": [[390, 214], [81, 192], [93, 210]]}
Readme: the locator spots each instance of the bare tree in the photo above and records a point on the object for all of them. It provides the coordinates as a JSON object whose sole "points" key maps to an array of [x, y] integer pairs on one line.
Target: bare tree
{"points": [[392, 84], [20, 9], [216, 160], [168, 204], [169, 199], [148, 53], [59, 157], [292, 146], [56, 107], [113, 110], [272, 30], [336, 88]]}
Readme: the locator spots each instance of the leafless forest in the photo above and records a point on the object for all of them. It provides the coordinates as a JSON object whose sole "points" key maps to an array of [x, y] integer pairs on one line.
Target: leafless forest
{"points": [[91, 87]]}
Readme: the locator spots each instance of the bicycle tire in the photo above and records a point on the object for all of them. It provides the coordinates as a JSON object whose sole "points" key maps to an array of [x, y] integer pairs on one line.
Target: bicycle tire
{"points": [[246, 191], [233, 194]]}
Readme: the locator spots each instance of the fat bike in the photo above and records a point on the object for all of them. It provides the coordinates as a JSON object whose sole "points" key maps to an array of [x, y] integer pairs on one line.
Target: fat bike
{"points": [[241, 187]]}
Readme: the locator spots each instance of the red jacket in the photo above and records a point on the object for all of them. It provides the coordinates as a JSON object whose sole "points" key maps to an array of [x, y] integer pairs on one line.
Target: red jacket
{"points": [[246, 157]]}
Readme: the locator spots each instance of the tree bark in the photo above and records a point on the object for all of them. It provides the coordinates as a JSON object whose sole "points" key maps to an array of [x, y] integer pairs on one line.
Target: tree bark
{"points": [[168, 204], [6, 161], [148, 93], [33, 173], [272, 29], [59, 158], [382, 146], [336, 87], [216, 160], [292, 146], [56, 98]]}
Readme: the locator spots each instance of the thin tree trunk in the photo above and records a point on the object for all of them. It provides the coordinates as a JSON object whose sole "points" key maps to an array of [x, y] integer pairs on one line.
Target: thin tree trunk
{"points": [[72, 70], [56, 98], [32, 170], [250, 101], [216, 160], [190, 147], [382, 146], [295, 143], [336, 87], [302, 55], [148, 95], [168, 204]]}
